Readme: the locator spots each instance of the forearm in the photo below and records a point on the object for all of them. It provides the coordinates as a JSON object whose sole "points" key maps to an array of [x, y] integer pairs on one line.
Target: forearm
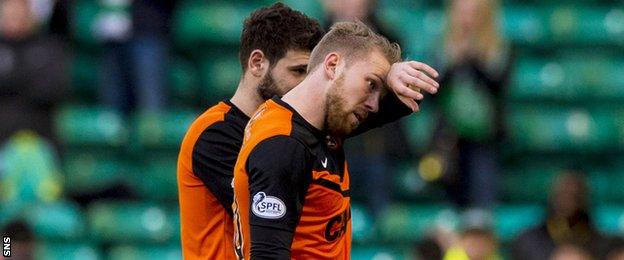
{"points": [[390, 110]]}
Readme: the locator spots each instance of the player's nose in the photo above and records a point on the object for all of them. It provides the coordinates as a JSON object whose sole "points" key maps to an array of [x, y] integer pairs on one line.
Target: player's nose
{"points": [[372, 103]]}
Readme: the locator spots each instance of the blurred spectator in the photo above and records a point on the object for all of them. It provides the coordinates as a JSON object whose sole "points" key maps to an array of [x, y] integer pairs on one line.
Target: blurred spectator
{"points": [[617, 252], [29, 174], [475, 67], [23, 241], [474, 244], [436, 243], [370, 156], [570, 252], [135, 53], [429, 249], [567, 222], [33, 74], [59, 19]]}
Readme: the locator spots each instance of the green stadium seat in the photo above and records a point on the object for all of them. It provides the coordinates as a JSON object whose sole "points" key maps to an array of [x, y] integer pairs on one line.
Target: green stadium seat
{"points": [[157, 178], [524, 25], [220, 75], [67, 251], [174, 217], [579, 78], [87, 17], [163, 130], [405, 4], [417, 29], [511, 220], [606, 185], [376, 253], [132, 222], [10, 212], [551, 2], [609, 219], [61, 220], [587, 25], [6, 215], [363, 224], [183, 78], [84, 16], [198, 23], [571, 25], [129, 252], [84, 74], [409, 223], [551, 129], [538, 177], [91, 172], [183, 81], [82, 126], [310, 8], [619, 123]]}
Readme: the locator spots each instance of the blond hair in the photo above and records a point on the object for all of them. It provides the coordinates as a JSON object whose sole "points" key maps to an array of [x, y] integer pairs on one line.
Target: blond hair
{"points": [[352, 40], [489, 42]]}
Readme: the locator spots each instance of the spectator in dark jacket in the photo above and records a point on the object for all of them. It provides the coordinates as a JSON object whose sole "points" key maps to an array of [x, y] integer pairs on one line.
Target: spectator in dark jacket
{"points": [[567, 223], [135, 55], [475, 68], [33, 75]]}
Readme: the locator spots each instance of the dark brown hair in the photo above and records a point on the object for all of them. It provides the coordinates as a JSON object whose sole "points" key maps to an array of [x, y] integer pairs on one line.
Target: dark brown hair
{"points": [[276, 29]]}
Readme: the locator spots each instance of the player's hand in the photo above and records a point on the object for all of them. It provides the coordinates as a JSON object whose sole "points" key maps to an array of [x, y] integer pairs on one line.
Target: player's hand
{"points": [[407, 79]]}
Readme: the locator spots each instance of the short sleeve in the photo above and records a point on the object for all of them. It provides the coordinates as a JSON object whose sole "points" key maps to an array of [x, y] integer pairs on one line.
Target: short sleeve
{"points": [[278, 179]]}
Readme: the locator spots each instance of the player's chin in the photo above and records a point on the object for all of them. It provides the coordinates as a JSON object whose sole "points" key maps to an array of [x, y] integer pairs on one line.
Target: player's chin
{"points": [[353, 122]]}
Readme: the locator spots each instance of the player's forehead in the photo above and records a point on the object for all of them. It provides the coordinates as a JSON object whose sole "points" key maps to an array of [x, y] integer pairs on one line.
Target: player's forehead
{"points": [[373, 62], [294, 57]]}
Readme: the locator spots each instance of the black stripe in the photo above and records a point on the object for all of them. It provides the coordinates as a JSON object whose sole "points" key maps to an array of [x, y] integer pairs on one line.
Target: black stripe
{"points": [[214, 156], [332, 186]]}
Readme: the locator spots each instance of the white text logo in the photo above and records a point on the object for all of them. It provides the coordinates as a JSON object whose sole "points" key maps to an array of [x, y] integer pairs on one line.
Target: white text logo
{"points": [[268, 206]]}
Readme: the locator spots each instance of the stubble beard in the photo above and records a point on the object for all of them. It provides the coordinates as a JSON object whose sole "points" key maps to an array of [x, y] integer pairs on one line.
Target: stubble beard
{"points": [[336, 117], [268, 88]]}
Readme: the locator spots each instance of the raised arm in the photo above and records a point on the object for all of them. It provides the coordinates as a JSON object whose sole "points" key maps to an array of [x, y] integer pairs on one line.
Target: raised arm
{"points": [[405, 80]]}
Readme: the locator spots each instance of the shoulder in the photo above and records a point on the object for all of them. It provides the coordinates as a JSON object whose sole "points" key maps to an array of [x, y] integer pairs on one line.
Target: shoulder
{"points": [[279, 148], [210, 118], [270, 120], [278, 153], [212, 115]]}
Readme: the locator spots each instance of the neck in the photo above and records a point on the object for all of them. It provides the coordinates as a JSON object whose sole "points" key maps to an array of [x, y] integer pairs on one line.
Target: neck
{"points": [[308, 99], [246, 97]]}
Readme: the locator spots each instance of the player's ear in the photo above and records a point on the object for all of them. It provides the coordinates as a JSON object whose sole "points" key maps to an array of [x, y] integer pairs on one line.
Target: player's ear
{"points": [[257, 64], [330, 64]]}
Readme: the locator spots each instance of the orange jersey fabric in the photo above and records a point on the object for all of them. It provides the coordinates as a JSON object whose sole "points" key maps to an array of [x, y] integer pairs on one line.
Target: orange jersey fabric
{"points": [[290, 189], [204, 172]]}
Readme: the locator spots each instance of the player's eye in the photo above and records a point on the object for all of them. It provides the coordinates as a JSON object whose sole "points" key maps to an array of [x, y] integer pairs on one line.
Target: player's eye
{"points": [[299, 71], [371, 85]]}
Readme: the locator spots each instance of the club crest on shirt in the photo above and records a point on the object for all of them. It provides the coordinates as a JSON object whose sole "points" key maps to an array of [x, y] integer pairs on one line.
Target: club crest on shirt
{"points": [[268, 206]]}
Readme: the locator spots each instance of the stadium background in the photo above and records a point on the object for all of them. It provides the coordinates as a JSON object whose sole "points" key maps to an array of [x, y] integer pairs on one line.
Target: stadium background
{"points": [[104, 187]]}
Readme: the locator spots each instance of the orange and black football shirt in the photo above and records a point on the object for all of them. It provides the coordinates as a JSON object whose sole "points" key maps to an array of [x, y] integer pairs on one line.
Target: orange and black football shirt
{"points": [[291, 187], [205, 166]]}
